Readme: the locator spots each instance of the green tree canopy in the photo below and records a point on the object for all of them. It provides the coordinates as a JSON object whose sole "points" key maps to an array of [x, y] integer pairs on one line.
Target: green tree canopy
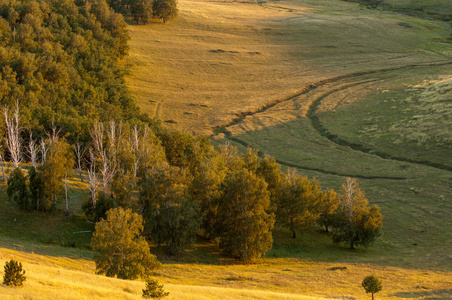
{"points": [[329, 202], [372, 284], [298, 201], [120, 250], [61, 60], [244, 225], [171, 218], [18, 189], [356, 222], [59, 160], [164, 9], [141, 10]]}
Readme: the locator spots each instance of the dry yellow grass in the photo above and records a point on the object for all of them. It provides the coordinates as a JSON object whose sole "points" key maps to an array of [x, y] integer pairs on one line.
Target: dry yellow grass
{"points": [[66, 278], [222, 58], [51, 277]]}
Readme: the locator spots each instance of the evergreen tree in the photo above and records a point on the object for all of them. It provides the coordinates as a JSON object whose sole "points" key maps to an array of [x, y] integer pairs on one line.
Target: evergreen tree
{"points": [[356, 222], [205, 190], [154, 290], [14, 275], [329, 201], [36, 187], [171, 217], [18, 190], [120, 250], [298, 201], [244, 225]]}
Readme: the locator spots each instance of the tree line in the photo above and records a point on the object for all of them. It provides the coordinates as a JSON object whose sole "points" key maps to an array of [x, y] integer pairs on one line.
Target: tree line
{"points": [[143, 10], [182, 186], [62, 60]]}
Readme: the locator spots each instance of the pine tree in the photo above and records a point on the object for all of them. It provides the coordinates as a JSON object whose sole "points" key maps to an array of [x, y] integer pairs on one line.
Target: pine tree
{"points": [[120, 250], [18, 190], [245, 224], [171, 217], [298, 201], [14, 275], [154, 290]]}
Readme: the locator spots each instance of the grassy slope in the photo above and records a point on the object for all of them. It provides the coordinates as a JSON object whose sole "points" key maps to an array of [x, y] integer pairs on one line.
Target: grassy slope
{"points": [[219, 59], [378, 55], [71, 278], [292, 269], [66, 276]]}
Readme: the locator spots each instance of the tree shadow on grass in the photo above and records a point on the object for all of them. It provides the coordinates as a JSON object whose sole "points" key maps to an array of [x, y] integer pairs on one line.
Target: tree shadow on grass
{"points": [[435, 294]]}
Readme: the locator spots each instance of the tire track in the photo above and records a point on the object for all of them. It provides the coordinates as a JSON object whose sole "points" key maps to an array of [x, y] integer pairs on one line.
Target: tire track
{"points": [[292, 165], [323, 131], [320, 128], [310, 87]]}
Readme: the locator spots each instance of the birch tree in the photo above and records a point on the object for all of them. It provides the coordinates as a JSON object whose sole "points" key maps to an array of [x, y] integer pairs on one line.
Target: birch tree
{"points": [[92, 179], [79, 153], [97, 135], [357, 224], [13, 139], [32, 150]]}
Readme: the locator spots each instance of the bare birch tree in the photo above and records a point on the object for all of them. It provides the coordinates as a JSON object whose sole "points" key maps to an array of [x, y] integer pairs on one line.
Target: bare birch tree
{"points": [[98, 136], [114, 134], [135, 142], [32, 150], [13, 140], [79, 152], [44, 148], [93, 183]]}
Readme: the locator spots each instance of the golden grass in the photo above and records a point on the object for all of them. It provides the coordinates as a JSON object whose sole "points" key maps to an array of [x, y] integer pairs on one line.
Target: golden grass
{"points": [[222, 58], [64, 278], [68, 278]]}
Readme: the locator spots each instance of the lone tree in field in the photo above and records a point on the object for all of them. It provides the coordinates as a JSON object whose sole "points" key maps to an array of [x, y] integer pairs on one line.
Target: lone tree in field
{"points": [[154, 290], [372, 285], [356, 223], [14, 275], [164, 9], [120, 250]]}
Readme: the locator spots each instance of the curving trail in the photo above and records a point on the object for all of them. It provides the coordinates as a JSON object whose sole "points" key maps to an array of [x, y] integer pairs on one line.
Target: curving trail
{"points": [[347, 81]]}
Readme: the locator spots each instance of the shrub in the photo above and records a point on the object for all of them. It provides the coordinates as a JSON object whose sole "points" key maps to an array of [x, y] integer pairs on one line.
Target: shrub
{"points": [[14, 275], [154, 290]]}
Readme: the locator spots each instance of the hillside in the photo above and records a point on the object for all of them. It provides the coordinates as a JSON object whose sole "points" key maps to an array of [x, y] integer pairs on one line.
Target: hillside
{"points": [[331, 88], [326, 87]]}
